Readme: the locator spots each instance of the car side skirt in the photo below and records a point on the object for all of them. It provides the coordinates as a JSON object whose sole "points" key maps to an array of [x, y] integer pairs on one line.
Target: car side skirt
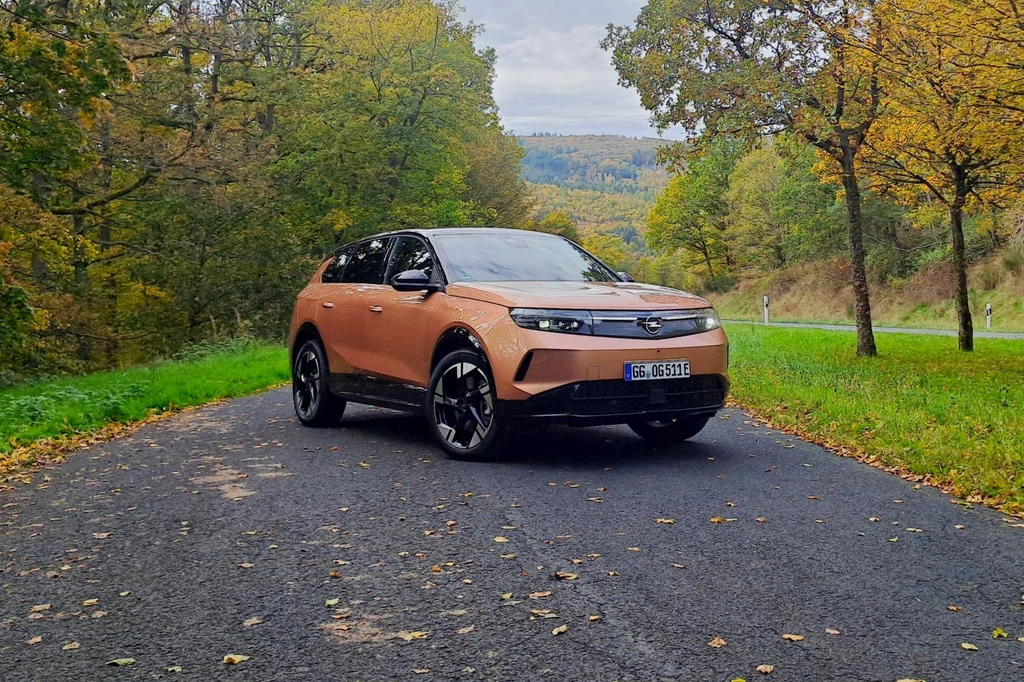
{"points": [[378, 392]]}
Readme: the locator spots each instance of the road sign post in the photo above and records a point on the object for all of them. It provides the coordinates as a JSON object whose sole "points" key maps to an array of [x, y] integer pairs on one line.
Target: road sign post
{"points": [[988, 316], [766, 310]]}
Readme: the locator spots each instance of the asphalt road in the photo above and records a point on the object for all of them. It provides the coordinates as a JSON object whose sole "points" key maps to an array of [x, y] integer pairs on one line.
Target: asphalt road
{"points": [[193, 526], [978, 333]]}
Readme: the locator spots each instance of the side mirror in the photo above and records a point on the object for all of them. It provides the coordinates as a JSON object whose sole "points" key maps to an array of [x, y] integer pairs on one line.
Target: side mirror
{"points": [[414, 280], [625, 276]]}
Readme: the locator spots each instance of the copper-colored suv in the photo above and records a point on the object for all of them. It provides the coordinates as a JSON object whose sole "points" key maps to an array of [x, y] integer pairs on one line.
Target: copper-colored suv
{"points": [[485, 330]]}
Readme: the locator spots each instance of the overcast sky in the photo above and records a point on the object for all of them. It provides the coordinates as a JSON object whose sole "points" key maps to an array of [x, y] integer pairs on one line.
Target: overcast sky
{"points": [[552, 74]]}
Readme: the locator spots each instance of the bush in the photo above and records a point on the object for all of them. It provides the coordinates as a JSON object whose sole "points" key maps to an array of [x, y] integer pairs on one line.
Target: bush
{"points": [[1013, 261], [988, 277], [719, 284]]}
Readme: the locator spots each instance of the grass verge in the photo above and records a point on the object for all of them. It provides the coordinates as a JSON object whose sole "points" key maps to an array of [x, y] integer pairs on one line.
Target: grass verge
{"points": [[40, 420], [922, 408]]}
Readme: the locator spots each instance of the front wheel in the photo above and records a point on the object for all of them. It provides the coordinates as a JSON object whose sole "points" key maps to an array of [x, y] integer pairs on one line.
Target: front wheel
{"points": [[669, 431], [460, 406], [315, 405]]}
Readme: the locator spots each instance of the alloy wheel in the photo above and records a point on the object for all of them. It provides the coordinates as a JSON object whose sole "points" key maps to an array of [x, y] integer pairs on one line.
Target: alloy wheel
{"points": [[463, 405], [307, 384]]}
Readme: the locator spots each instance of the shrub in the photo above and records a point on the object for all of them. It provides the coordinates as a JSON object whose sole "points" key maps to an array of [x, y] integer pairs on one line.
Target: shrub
{"points": [[988, 277], [1013, 260]]}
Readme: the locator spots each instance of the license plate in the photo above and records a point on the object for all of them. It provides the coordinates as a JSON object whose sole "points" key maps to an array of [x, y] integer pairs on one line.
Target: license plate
{"points": [[648, 371]]}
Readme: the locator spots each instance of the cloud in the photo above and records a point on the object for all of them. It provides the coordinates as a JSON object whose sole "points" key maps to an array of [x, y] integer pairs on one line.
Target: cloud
{"points": [[552, 75]]}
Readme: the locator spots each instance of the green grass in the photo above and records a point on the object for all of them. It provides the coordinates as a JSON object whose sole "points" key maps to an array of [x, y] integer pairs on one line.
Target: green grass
{"points": [[80, 405], [921, 406]]}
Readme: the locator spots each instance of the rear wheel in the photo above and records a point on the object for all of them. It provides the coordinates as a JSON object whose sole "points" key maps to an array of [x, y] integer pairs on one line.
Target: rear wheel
{"points": [[460, 406], [311, 394], [669, 431]]}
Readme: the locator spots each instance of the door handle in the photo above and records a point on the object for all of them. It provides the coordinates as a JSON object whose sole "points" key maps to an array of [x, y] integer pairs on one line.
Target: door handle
{"points": [[327, 304], [376, 309]]}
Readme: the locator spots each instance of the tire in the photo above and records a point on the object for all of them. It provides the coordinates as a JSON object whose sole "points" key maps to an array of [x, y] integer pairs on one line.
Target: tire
{"points": [[669, 431], [461, 395], [314, 403]]}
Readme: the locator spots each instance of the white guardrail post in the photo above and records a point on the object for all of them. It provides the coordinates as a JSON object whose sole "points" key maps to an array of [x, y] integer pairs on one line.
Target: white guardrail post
{"points": [[766, 309], [988, 316]]}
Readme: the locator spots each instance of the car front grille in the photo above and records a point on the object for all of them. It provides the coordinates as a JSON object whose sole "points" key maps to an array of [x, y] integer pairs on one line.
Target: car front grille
{"points": [[615, 396]]}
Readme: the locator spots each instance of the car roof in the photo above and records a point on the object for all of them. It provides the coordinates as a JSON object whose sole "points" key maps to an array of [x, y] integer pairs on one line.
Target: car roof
{"points": [[435, 231]]}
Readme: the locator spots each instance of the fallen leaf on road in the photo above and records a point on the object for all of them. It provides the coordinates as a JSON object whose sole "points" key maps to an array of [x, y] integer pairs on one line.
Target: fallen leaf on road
{"points": [[121, 662], [594, 618], [35, 640], [667, 522], [793, 638], [958, 527], [717, 519], [421, 671], [561, 629], [1021, 640], [953, 608], [505, 595], [813, 497], [968, 646], [540, 595], [508, 556], [760, 519], [563, 575], [466, 630], [40, 607], [678, 565], [365, 465], [632, 549], [895, 539], [255, 620], [123, 594], [612, 573], [999, 633], [247, 565], [173, 668], [90, 602], [594, 499], [410, 636], [71, 646], [99, 614], [765, 669], [501, 539], [331, 602], [101, 536], [874, 519], [717, 643], [831, 631], [235, 659]]}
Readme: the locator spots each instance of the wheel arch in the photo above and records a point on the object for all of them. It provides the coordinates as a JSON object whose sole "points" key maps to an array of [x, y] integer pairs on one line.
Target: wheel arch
{"points": [[306, 332], [453, 339]]}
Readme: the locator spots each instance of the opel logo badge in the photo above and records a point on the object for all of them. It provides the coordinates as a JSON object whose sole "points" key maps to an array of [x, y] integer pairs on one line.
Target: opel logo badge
{"points": [[652, 325]]}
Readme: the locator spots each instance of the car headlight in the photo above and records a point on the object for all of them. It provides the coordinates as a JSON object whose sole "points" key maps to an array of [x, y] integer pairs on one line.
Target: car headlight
{"points": [[707, 320], [565, 321]]}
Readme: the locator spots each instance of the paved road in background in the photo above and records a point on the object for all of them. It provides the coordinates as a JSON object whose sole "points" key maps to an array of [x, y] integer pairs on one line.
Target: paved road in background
{"points": [[887, 330], [347, 544]]}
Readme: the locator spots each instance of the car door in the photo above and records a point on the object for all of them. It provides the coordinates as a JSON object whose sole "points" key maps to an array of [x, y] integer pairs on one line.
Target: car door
{"points": [[405, 325], [342, 316]]}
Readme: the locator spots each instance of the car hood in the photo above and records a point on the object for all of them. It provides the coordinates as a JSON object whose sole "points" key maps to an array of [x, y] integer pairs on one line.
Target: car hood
{"points": [[578, 295]]}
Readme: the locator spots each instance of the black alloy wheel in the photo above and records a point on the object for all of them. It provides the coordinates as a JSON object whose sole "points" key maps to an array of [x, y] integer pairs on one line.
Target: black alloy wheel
{"points": [[461, 406], [314, 403]]}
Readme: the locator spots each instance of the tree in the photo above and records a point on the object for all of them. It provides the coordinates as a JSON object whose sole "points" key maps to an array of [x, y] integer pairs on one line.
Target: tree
{"points": [[692, 212], [952, 126], [557, 222], [749, 67]]}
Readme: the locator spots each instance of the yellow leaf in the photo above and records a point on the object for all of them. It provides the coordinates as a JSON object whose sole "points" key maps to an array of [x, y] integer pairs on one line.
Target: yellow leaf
{"points": [[71, 646], [717, 519], [678, 565], [594, 618], [563, 575], [235, 659], [831, 631], [255, 620], [331, 602], [667, 522], [173, 668], [507, 556], [765, 669], [410, 636], [121, 662], [612, 573], [101, 536], [760, 519], [540, 595], [501, 539], [365, 465], [247, 565], [953, 608], [421, 671], [999, 633], [793, 638], [505, 596], [632, 549], [90, 602], [561, 629], [35, 640], [968, 646], [466, 630], [717, 643], [40, 607]]}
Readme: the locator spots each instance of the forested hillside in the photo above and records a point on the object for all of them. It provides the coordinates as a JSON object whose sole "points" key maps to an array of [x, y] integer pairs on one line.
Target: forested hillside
{"points": [[172, 172], [601, 163]]}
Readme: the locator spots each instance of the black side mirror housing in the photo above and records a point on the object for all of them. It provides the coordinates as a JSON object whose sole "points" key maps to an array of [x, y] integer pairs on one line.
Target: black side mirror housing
{"points": [[625, 276], [414, 280]]}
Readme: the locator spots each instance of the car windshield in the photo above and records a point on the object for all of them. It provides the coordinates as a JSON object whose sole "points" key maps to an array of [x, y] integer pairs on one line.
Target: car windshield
{"points": [[514, 258]]}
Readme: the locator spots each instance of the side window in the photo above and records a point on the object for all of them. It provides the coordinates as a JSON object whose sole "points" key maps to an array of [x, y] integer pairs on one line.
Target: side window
{"points": [[366, 265], [333, 273], [411, 253]]}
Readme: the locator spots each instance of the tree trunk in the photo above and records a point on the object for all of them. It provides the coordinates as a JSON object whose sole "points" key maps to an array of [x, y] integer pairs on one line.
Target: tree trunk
{"points": [[963, 304], [865, 334]]}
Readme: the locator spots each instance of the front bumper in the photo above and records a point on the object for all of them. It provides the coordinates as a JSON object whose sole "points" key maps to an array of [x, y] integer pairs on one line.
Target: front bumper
{"points": [[615, 401]]}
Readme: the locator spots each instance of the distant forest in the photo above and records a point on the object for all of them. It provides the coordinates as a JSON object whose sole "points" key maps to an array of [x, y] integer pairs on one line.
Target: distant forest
{"points": [[603, 163]]}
